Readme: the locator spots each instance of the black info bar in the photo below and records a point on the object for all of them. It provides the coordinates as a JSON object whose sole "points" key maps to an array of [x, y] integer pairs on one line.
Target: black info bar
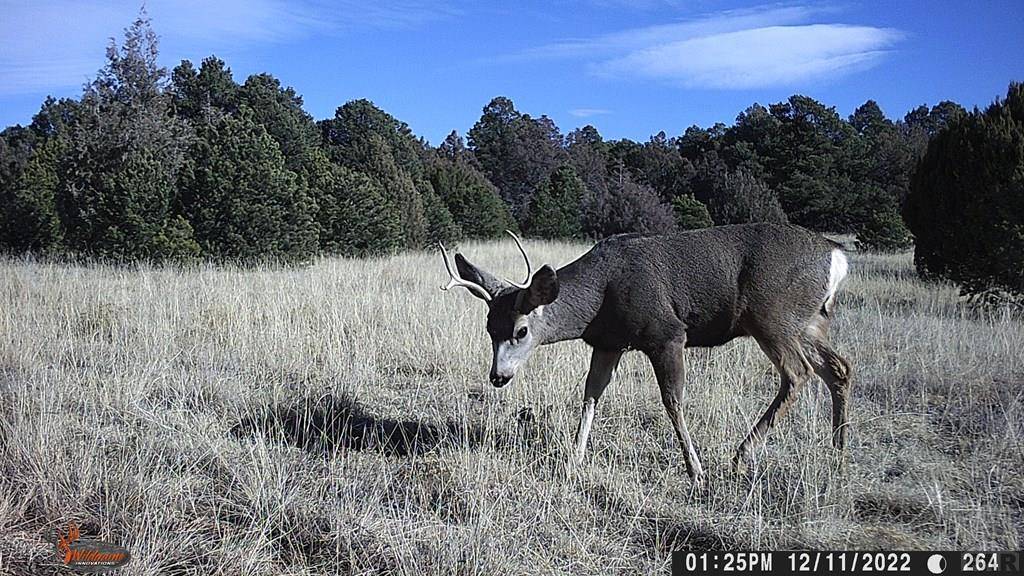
{"points": [[846, 562]]}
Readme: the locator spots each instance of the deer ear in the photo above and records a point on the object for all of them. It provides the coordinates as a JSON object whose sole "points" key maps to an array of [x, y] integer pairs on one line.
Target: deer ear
{"points": [[488, 281], [542, 291]]}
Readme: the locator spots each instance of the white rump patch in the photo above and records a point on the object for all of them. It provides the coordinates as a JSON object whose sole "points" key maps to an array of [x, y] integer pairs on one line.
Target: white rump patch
{"points": [[837, 271]]}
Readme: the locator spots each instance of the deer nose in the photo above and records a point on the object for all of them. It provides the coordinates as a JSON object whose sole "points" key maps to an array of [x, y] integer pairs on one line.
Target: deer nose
{"points": [[499, 380]]}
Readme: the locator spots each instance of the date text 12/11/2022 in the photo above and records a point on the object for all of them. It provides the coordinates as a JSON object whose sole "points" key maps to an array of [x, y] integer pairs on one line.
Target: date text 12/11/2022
{"points": [[845, 562]]}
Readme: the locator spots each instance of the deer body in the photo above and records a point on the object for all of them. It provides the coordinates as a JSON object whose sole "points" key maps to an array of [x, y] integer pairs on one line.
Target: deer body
{"points": [[662, 294]]}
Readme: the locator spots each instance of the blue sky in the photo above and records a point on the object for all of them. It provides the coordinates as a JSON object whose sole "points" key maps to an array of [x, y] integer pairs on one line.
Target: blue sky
{"points": [[631, 68]]}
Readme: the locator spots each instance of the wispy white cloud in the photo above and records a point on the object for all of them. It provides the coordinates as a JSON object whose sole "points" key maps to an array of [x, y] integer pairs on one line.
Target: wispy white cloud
{"points": [[50, 44], [588, 112], [650, 36], [759, 57], [739, 49]]}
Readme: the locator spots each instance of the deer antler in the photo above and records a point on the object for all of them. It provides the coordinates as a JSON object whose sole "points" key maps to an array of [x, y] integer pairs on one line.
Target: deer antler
{"points": [[457, 280], [529, 268]]}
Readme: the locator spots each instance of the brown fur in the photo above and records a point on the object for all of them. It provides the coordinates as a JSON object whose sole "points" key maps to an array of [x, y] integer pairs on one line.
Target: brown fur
{"points": [[661, 294]]}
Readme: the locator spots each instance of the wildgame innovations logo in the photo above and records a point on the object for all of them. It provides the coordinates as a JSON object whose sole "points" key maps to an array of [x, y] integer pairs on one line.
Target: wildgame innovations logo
{"points": [[86, 554]]}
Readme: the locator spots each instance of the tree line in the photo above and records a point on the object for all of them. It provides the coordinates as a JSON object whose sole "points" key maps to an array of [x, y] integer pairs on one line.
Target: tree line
{"points": [[155, 164]]}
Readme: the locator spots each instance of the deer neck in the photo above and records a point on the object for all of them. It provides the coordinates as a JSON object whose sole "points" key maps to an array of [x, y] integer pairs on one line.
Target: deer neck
{"points": [[579, 299]]}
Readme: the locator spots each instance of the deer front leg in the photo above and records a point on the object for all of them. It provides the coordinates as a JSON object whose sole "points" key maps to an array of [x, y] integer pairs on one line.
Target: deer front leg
{"points": [[669, 368], [602, 364]]}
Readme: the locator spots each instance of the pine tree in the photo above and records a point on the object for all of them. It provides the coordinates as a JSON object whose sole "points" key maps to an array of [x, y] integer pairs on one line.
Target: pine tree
{"points": [[691, 214], [656, 163], [280, 111], [124, 153], [588, 155], [350, 219], [372, 156], [802, 163], [966, 205], [367, 140], [733, 196], [441, 226], [242, 201], [517, 152], [555, 211], [626, 206], [885, 232], [210, 90], [27, 202], [470, 198]]}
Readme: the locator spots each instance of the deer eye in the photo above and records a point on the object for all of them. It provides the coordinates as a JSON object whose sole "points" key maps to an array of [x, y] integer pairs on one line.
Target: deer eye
{"points": [[521, 333]]}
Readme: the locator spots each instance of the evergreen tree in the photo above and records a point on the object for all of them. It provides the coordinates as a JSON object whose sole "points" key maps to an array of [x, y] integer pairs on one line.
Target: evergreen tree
{"points": [[441, 226], [555, 212], [656, 163], [31, 165], [881, 159], [518, 152], [365, 139], [124, 153], [453, 149], [242, 201], [966, 205], [29, 206], [936, 119], [626, 206], [741, 198], [733, 196], [16, 150], [358, 121], [696, 141], [119, 173], [588, 155], [212, 90], [470, 198], [802, 164], [16, 147], [691, 214], [885, 232], [280, 111], [922, 124], [372, 156], [868, 120], [349, 216]]}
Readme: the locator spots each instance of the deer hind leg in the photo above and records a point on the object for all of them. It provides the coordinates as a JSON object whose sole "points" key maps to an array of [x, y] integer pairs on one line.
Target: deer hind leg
{"points": [[795, 369], [669, 368], [602, 364], [836, 372]]}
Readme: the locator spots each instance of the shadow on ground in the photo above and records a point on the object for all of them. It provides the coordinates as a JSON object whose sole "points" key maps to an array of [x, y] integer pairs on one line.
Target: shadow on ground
{"points": [[652, 530], [329, 423]]}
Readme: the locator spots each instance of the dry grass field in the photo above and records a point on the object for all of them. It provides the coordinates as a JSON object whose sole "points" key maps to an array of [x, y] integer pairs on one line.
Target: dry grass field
{"points": [[337, 418]]}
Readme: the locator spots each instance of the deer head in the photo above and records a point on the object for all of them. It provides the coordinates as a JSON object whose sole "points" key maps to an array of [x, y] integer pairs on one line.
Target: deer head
{"points": [[514, 309]]}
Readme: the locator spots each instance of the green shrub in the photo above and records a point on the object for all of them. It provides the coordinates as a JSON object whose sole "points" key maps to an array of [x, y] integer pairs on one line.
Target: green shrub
{"points": [[885, 232], [691, 213]]}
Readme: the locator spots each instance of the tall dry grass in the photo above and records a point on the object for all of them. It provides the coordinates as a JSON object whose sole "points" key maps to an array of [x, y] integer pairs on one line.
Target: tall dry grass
{"points": [[337, 419]]}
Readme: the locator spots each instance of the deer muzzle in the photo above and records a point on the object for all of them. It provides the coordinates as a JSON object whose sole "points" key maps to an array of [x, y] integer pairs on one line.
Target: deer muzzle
{"points": [[499, 380]]}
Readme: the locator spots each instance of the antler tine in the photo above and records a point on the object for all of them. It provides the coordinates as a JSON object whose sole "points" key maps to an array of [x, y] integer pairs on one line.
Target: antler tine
{"points": [[529, 268], [457, 280]]}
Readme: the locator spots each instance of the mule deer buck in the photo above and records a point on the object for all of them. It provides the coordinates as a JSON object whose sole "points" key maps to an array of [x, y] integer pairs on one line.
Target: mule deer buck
{"points": [[661, 294]]}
